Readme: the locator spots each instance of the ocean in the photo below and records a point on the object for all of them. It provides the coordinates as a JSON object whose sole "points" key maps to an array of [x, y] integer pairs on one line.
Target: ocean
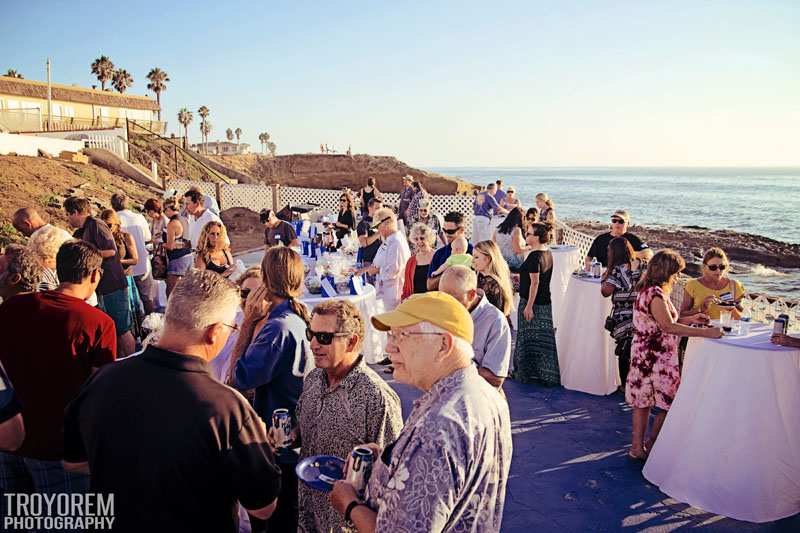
{"points": [[764, 201]]}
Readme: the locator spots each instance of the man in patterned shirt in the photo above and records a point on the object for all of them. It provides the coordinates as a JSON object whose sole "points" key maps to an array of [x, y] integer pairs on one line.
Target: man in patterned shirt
{"points": [[448, 469], [344, 404]]}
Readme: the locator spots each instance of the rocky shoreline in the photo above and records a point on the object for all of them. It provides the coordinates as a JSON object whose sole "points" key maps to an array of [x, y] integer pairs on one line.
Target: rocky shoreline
{"points": [[692, 241]]}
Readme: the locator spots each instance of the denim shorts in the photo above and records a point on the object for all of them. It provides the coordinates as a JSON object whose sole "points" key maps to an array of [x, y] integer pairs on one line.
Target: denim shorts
{"points": [[117, 305], [179, 266]]}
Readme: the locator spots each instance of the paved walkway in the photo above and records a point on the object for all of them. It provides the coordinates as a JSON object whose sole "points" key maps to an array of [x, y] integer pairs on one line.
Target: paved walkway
{"points": [[570, 470]]}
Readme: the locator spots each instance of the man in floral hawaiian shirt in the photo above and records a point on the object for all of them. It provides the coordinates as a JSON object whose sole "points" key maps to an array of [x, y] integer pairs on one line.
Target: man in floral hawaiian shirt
{"points": [[448, 469]]}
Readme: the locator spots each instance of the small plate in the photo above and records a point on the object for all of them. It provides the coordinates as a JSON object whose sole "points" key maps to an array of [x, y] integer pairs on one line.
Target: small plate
{"points": [[320, 471]]}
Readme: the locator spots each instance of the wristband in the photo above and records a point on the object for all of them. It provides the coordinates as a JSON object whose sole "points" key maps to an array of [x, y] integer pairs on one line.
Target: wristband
{"points": [[350, 506]]}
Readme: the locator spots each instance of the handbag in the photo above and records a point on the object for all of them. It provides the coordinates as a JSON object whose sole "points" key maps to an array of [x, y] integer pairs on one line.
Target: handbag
{"points": [[159, 262]]}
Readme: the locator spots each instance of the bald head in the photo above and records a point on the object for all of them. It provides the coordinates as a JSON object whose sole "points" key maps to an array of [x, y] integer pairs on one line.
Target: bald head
{"points": [[27, 220], [461, 283]]}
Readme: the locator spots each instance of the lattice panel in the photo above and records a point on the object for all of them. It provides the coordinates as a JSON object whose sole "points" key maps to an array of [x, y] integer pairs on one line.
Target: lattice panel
{"points": [[255, 196], [184, 185], [328, 199]]}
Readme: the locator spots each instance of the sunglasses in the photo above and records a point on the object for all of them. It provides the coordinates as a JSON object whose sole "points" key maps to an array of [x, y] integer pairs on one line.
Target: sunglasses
{"points": [[244, 293], [374, 226], [617, 221], [234, 327], [714, 268], [323, 337], [452, 231]]}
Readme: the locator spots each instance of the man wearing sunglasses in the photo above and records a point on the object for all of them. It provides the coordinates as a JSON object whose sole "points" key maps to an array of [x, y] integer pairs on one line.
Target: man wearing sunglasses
{"points": [[619, 228], [344, 403], [453, 228], [447, 471]]}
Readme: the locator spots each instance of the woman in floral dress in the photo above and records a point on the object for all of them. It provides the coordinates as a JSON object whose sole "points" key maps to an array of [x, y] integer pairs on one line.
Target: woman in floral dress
{"points": [[654, 376]]}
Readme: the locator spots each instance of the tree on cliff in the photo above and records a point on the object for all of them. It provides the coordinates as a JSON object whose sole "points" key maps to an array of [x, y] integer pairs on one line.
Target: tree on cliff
{"points": [[158, 84], [122, 80], [185, 117], [11, 73], [238, 133], [264, 139], [272, 147], [229, 134], [103, 68], [203, 112]]}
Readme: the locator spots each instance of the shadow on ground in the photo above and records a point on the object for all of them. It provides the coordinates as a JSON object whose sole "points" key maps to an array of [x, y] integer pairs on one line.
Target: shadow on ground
{"points": [[570, 470]]}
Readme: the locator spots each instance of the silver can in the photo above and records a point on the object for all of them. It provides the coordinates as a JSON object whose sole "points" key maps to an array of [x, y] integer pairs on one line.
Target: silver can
{"points": [[282, 427], [360, 469]]}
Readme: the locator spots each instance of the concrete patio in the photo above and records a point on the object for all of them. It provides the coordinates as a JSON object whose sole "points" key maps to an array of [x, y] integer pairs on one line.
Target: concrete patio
{"points": [[570, 470]]}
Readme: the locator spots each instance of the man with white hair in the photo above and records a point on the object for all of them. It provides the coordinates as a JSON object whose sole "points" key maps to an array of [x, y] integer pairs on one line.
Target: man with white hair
{"points": [[448, 469], [175, 447], [492, 338], [390, 262]]}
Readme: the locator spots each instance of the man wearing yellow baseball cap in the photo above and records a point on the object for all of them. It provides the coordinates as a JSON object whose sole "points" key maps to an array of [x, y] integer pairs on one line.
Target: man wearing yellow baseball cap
{"points": [[458, 434]]}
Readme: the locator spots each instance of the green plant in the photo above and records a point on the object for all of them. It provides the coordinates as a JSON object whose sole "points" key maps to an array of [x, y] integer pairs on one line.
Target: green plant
{"points": [[9, 235], [47, 199]]}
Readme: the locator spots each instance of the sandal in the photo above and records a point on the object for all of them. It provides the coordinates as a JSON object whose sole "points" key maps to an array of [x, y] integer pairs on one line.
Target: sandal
{"points": [[634, 457]]}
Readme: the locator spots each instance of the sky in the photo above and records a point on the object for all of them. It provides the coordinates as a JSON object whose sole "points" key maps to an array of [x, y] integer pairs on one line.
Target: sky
{"points": [[451, 83]]}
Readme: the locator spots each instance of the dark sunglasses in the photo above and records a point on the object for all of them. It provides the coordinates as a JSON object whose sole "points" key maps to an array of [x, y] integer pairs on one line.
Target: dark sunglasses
{"points": [[617, 221], [714, 268], [323, 337], [244, 293], [452, 231]]}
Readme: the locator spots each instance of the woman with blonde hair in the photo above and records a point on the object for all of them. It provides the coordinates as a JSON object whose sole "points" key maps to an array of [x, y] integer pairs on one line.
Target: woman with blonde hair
{"points": [[494, 277], [654, 375], [547, 208], [713, 292], [213, 250], [126, 245], [44, 245], [422, 239]]}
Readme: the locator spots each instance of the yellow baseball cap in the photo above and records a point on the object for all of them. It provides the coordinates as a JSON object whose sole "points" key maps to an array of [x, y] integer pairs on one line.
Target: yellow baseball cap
{"points": [[438, 308]]}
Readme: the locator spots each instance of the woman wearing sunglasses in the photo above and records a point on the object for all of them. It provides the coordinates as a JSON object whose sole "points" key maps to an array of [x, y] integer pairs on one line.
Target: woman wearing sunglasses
{"points": [[713, 292]]}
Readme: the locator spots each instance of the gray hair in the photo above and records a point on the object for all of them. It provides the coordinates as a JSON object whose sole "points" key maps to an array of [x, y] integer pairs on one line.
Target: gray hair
{"points": [[202, 298], [44, 244], [460, 346], [464, 277], [23, 262], [425, 231]]}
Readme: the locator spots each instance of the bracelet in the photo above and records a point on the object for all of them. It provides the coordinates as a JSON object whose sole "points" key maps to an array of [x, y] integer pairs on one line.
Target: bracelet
{"points": [[349, 510]]}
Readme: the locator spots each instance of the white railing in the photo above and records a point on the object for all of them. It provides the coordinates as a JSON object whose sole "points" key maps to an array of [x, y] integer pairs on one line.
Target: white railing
{"points": [[112, 143]]}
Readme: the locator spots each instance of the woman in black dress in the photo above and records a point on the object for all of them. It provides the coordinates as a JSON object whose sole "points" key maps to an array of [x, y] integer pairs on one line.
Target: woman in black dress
{"points": [[346, 220], [366, 194]]}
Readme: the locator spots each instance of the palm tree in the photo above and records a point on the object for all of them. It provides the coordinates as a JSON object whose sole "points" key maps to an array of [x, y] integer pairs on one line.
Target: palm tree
{"points": [[158, 84], [203, 112], [238, 133], [205, 129], [103, 68], [11, 73], [229, 134], [185, 118], [262, 141], [272, 147], [264, 138], [122, 80]]}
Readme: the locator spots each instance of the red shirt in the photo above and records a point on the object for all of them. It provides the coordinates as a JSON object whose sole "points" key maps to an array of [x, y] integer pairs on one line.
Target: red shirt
{"points": [[50, 342]]}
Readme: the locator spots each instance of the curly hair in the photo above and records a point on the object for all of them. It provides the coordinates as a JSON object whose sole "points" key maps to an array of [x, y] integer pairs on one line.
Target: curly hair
{"points": [[44, 244], [424, 230], [23, 263], [204, 248]]}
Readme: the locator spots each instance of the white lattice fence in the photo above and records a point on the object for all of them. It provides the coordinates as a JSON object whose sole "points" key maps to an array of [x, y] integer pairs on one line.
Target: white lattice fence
{"points": [[184, 185], [327, 199], [252, 196]]}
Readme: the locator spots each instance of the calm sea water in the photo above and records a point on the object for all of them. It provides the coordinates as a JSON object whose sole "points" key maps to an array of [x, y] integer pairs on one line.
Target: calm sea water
{"points": [[759, 201]]}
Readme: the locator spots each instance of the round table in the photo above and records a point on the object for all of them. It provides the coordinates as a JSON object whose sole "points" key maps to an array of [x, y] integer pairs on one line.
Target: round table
{"points": [[566, 259], [585, 349], [375, 341], [731, 442]]}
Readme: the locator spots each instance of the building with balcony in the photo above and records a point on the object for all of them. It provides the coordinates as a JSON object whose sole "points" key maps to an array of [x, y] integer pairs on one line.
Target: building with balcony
{"points": [[221, 148], [24, 108]]}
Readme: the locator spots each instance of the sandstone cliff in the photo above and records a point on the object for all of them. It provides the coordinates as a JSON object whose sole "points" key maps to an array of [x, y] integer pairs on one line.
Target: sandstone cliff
{"points": [[334, 172]]}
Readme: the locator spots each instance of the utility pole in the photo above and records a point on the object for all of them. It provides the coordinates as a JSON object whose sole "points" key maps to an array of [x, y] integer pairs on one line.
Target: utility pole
{"points": [[49, 98]]}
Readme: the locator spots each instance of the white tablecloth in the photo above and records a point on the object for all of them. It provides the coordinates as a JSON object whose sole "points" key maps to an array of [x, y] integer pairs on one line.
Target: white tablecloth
{"points": [[731, 441], [566, 260], [585, 349]]}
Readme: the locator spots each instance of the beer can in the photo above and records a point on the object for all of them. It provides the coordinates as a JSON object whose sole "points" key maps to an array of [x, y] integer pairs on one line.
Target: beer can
{"points": [[360, 469], [282, 427], [781, 324]]}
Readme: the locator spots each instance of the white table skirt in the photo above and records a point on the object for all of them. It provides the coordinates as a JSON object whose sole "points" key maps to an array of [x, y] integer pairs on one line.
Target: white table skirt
{"points": [[731, 442], [566, 260], [585, 349]]}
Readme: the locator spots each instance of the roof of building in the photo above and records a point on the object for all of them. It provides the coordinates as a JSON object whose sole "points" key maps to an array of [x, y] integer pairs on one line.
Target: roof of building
{"points": [[68, 93]]}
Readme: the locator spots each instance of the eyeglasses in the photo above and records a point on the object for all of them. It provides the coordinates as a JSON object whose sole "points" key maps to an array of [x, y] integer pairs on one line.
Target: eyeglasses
{"points": [[234, 327], [323, 337], [617, 221], [452, 231], [396, 336], [720, 267]]}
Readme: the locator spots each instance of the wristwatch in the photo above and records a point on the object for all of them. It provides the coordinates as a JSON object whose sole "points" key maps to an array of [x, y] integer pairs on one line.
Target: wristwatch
{"points": [[350, 506]]}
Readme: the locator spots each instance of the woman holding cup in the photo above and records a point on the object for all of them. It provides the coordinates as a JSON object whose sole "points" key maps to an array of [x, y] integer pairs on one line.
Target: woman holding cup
{"points": [[713, 293]]}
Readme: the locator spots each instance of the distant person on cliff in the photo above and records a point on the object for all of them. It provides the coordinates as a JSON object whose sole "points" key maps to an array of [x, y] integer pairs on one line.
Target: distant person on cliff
{"points": [[406, 194], [484, 208], [28, 221], [619, 228], [367, 193], [277, 231], [713, 292]]}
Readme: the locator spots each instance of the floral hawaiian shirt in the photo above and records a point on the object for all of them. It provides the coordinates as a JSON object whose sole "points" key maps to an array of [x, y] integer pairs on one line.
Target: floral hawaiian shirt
{"points": [[448, 469]]}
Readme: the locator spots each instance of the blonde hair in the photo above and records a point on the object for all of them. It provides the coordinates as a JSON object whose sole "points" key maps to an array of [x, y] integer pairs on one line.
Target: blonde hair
{"points": [[200, 299], [717, 253], [348, 318], [204, 248], [44, 244], [424, 230], [109, 216], [546, 200], [252, 272], [498, 270], [282, 274]]}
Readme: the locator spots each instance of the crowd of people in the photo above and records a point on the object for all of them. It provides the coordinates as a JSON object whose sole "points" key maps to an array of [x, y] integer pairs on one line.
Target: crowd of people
{"points": [[181, 432]]}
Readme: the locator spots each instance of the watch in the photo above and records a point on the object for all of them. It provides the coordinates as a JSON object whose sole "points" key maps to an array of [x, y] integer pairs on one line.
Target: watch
{"points": [[349, 510]]}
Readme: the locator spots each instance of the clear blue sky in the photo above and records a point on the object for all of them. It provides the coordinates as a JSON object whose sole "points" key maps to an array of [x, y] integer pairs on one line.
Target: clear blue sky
{"points": [[452, 83]]}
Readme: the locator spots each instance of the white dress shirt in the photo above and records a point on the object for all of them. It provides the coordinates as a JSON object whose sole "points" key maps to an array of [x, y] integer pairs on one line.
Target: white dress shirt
{"points": [[391, 263], [196, 225], [137, 226]]}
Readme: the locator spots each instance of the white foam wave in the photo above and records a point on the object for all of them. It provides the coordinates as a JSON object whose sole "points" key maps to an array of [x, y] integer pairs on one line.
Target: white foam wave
{"points": [[761, 270]]}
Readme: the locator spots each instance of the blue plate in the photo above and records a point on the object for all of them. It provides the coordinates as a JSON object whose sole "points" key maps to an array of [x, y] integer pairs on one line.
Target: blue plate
{"points": [[320, 471]]}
